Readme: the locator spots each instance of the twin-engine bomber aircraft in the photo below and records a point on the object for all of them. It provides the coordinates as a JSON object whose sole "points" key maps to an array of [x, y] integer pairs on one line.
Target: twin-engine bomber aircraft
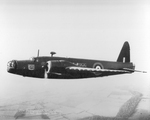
{"points": [[72, 68]]}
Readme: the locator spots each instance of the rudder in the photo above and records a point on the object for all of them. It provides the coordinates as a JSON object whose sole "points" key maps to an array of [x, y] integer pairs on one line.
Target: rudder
{"points": [[124, 55]]}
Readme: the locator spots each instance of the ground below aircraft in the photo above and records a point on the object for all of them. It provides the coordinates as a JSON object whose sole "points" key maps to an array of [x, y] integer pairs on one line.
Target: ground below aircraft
{"points": [[72, 68]]}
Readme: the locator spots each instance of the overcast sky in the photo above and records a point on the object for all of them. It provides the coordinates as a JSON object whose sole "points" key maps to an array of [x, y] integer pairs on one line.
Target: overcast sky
{"points": [[92, 29]]}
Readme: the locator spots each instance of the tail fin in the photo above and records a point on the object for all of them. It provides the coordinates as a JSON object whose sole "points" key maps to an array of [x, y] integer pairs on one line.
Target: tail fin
{"points": [[124, 55]]}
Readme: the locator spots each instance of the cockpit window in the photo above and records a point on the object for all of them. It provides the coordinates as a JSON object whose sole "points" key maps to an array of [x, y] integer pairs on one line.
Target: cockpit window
{"points": [[33, 59], [11, 64]]}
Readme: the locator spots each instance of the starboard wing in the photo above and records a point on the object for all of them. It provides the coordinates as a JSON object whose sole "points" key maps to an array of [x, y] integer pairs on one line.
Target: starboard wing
{"points": [[96, 70]]}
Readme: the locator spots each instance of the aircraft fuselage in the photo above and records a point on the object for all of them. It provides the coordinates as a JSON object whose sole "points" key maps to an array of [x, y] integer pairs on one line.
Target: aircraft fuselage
{"points": [[56, 67], [72, 68]]}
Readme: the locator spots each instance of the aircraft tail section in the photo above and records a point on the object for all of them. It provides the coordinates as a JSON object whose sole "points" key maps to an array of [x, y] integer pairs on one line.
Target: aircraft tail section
{"points": [[124, 55]]}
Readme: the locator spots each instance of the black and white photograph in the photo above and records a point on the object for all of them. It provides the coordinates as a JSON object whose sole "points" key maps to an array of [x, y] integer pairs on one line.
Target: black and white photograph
{"points": [[75, 59]]}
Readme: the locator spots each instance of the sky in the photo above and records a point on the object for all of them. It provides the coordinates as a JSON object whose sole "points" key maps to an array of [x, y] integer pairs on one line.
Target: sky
{"points": [[92, 29]]}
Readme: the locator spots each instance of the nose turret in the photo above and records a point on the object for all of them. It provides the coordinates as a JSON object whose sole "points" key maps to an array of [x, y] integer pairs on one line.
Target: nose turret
{"points": [[11, 66]]}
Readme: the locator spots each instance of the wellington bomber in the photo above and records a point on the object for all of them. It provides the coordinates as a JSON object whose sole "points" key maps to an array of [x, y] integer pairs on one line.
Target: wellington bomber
{"points": [[52, 67]]}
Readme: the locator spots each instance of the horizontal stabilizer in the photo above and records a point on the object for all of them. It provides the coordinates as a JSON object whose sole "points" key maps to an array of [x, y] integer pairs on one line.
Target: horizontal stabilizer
{"points": [[134, 70]]}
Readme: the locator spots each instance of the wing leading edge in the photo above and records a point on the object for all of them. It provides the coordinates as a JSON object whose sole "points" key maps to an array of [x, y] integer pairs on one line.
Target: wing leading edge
{"points": [[97, 70]]}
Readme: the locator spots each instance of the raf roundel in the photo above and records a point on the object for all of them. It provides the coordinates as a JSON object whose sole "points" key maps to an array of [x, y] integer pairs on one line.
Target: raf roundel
{"points": [[97, 66]]}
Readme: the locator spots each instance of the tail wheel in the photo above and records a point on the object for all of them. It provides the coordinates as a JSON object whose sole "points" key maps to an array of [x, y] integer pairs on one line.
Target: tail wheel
{"points": [[98, 66]]}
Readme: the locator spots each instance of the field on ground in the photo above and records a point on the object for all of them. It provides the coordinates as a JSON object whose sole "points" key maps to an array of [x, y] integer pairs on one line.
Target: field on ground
{"points": [[92, 99]]}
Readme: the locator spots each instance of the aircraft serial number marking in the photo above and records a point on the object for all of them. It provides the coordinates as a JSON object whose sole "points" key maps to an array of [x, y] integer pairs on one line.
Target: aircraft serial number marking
{"points": [[80, 64]]}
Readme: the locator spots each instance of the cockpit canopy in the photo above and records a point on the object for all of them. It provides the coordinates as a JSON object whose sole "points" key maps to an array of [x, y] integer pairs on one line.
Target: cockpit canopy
{"points": [[33, 59]]}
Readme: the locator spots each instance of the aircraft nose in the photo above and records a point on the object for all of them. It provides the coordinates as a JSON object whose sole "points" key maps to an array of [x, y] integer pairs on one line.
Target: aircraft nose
{"points": [[11, 66]]}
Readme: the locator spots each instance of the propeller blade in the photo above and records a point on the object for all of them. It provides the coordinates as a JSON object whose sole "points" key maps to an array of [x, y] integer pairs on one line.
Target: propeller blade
{"points": [[45, 74]]}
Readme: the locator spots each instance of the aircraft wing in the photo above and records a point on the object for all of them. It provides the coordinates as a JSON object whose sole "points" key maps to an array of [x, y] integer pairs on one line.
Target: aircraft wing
{"points": [[96, 70]]}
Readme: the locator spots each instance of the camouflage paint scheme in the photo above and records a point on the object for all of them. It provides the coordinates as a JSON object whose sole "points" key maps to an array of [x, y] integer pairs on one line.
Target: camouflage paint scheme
{"points": [[71, 68]]}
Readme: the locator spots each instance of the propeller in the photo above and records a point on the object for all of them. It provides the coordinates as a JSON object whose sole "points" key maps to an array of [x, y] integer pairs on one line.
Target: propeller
{"points": [[47, 68], [45, 74]]}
